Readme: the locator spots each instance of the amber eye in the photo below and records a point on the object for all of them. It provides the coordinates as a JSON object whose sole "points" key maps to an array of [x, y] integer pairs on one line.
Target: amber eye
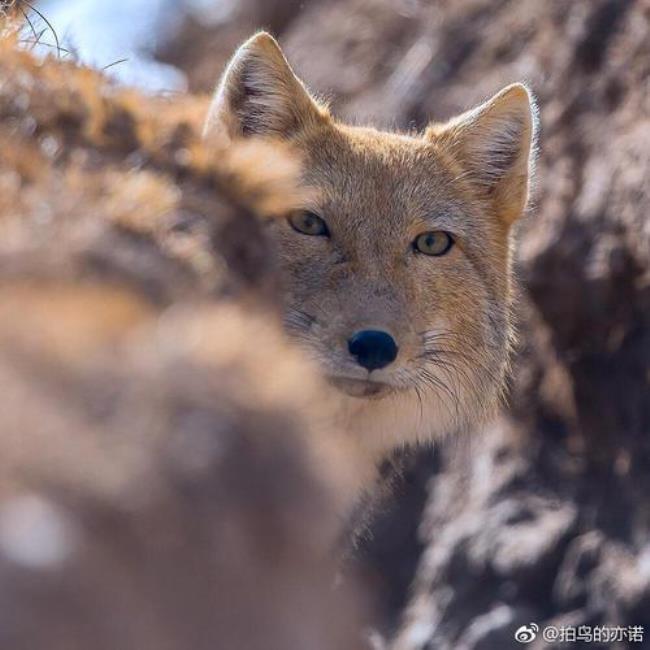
{"points": [[436, 243], [308, 223]]}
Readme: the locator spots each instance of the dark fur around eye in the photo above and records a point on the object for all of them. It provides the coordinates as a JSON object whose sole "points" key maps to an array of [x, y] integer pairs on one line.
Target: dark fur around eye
{"points": [[308, 223]]}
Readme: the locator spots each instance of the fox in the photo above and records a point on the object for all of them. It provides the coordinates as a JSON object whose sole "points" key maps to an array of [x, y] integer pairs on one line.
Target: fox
{"points": [[397, 272]]}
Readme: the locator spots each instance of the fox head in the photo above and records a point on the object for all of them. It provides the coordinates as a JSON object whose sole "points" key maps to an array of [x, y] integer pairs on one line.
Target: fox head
{"points": [[397, 273]]}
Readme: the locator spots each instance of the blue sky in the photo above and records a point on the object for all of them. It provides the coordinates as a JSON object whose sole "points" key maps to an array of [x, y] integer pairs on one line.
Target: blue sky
{"points": [[102, 32]]}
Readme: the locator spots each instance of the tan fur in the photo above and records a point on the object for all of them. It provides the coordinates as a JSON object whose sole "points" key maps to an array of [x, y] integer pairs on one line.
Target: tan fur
{"points": [[377, 192]]}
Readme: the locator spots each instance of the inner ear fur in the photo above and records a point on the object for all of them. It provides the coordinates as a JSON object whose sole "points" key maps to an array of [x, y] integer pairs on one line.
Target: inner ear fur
{"points": [[494, 145], [260, 95]]}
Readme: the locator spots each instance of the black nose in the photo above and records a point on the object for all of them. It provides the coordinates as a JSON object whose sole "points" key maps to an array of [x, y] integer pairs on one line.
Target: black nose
{"points": [[373, 349]]}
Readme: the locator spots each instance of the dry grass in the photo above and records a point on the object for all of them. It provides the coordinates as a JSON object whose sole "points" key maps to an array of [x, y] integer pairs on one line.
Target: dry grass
{"points": [[168, 479]]}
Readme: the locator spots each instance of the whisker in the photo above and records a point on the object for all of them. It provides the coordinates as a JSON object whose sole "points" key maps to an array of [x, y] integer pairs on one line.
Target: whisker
{"points": [[296, 319], [446, 351], [436, 382], [419, 396]]}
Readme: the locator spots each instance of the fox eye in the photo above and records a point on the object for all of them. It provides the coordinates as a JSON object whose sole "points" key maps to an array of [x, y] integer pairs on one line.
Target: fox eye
{"points": [[308, 223], [435, 243]]}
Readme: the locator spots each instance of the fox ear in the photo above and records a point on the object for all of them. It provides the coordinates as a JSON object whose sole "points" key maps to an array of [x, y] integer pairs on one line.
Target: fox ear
{"points": [[259, 94], [494, 145]]}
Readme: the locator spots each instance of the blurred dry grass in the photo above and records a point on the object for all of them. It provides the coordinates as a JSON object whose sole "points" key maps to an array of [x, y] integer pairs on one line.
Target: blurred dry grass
{"points": [[167, 480]]}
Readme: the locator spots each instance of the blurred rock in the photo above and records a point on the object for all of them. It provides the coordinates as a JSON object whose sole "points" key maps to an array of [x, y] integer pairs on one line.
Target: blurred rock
{"points": [[208, 36]]}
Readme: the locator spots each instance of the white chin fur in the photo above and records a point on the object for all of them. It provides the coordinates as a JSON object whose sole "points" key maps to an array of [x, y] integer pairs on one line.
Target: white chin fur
{"points": [[380, 425]]}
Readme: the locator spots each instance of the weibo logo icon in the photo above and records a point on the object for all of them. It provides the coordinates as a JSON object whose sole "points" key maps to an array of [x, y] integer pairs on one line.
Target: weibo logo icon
{"points": [[527, 633]]}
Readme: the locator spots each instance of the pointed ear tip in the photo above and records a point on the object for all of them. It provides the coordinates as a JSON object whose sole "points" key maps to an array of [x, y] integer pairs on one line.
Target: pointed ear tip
{"points": [[519, 96], [261, 41]]}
